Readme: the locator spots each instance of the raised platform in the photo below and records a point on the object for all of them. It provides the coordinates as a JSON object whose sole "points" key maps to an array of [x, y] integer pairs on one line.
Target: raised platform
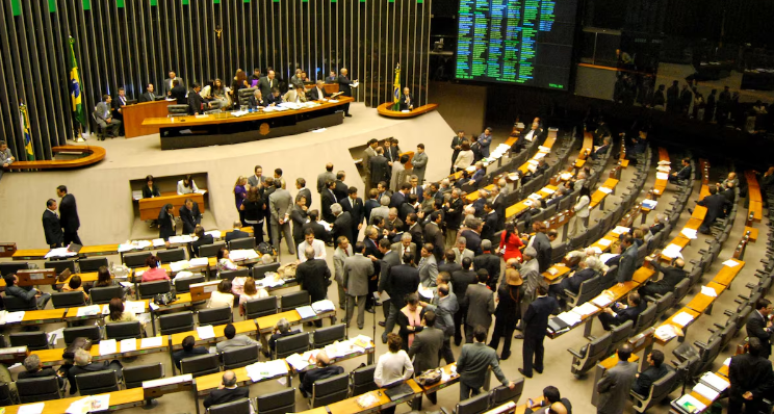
{"points": [[385, 110], [89, 155]]}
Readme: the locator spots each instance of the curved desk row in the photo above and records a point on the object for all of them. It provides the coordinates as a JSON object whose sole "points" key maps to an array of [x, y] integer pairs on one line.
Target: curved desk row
{"points": [[385, 110], [89, 156]]}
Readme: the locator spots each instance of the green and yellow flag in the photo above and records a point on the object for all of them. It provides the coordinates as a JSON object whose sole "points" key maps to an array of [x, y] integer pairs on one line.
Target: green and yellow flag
{"points": [[75, 86], [396, 89], [25, 125]]}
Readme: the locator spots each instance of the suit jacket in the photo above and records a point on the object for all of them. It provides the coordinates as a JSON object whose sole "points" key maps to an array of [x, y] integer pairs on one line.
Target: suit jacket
{"points": [[750, 373], [574, 282], [309, 377], [207, 239], [255, 102], [402, 280], [193, 217], [196, 104], [627, 265], [314, 276], [536, 317], [397, 199], [474, 362], [756, 327], [491, 263], [342, 226], [280, 202], [530, 272], [356, 209], [614, 388], [715, 204], [235, 235], [236, 342], [461, 279], [397, 247], [327, 199], [103, 113], [428, 271], [338, 263], [480, 303], [319, 231], [369, 207], [368, 153], [52, 228], [420, 165], [417, 235], [405, 102], [648, 377], [265, 84], [218, 396], [544, 251], [178, 356], [420, 192], [168, 84], [357, 270], [344, 87], [384, 212], [684, 173], [341, 191], [148, 97], [544, 409], [316, 96], [472, 241], [179, 93], [427, 348], [68, 213], [322, 179], [379, 169], [307, 194], [93, 367], [491, 226], [630, 313], [445, 308], [298, 216], [462, 254]]}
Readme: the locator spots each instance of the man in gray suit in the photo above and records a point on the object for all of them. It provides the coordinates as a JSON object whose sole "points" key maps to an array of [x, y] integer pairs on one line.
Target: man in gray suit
{"points": [[445, 306], [404, 246], [480, 303], [280, 203], [303, 192], [461, 251], [257, 178], [343, 251], [105, 118], [323, 178], [427, 347], [531, 275], [234, 341], [383, 210], [614, 388], [267, 83], [473, 365], [628, 263], [428, 267], [420, 163], [357, 270], [168, 83], [369, 152]]}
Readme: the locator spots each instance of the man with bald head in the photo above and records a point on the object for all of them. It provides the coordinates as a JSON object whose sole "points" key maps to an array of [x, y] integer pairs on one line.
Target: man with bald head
{"points": [[324, 370], [672, 276], [227, 391]]}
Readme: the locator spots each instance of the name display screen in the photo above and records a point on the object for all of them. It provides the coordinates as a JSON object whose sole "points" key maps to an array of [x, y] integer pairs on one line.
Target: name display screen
{"points": [[527, 42]]}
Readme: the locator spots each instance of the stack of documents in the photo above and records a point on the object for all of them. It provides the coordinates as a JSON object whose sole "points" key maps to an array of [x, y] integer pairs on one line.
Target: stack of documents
{"points": [[158, 242], [179, 266], [672, 251], [269, 369], [60, 252], [621, 230], [570, 318], [585, 309], [689, 233], [662, 176], [88, 310], [714, 381], [605, 190], [682, 319], [603, 299], [306, 312], [152, 342], [708, 291], [323, 306], [214, 233], [731, 263], [108, 347], [205, 332], [665, 332], [245, 254], [90, 404], [690, 405], [199, 262]]}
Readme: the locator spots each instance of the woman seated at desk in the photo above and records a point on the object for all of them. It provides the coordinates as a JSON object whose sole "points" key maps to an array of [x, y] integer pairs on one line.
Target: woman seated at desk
{"points": [[218, 92], [154, 273], [187, 185], [75, 285], [250, 293], [224, 261], [222, 297], [119, 315]]}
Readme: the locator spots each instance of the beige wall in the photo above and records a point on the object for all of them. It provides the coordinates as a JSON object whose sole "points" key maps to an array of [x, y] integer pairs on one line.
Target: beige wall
{"points": [[462, 106]]}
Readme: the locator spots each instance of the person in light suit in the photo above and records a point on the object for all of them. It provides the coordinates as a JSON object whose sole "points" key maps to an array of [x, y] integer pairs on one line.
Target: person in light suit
{"points": [[479, 301], [426, 348], [473, 365], [169, 83], [420, 163], [358, 269], [614, 388], [318, 92], [105, 118], [295, 95], [52, 226], [400, 175], [445, 306], [343, 251], [428, 267], [280, 203]]}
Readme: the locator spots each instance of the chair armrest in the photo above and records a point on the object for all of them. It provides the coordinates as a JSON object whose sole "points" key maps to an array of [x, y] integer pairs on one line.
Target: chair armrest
{"points": [[575, 353], [700, 344], [637, 396], [570, 294]]}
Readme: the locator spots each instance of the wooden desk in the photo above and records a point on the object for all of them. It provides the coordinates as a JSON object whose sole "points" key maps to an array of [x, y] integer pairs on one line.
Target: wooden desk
{"points": [[39, 317], [453, 379], [754, 193], [72, 313], [701, 302], [473, 196], [150, 207], [99, 250], [89, 156], [523, 205], [753, 233], [206, 383], [242, 327], [31, 254], [118, 400], [671, 321], [53, 357], [351, 406], [727, 274], [660, 186], [134, 115], [561, 272], [385, 110], [599, 195]]}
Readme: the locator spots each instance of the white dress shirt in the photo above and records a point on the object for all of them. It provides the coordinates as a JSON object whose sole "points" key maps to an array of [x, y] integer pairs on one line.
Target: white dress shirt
{"points": [[317, 245], [393, 368]]}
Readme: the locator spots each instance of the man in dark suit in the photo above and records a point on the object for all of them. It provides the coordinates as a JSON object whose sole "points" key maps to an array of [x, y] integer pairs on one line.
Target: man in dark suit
{"points": [[715, 204], [314, 276], [196, 104], [759, 326], [227, 392], [551, 396], [319, 231], [371, 204], [267, 83], [328, 198], [340, 189], [345, 86], [234, 234], [602, 149], [406, 100], [84, 364], [379, 168], [342, 224], [628, 263], [179, 92], [491, 222], [255, 78], [751, 379], [489, 262], [354, 206], [202, 240], [683, 174], [169, 83], [574, 281], [34, 369], [461, 279], [672, 276], [535, 324], [427, 348], [118, 108], [399, 197], [303, 192], [416, 189], [542, 244], [618, 313], [318, 92], [52, 226], [473, 235], [415, 229], [401, 281], [149, 95], [656, 370], [449, 264], [68, 213], [479, 301], [191, 217], [324, 370]]}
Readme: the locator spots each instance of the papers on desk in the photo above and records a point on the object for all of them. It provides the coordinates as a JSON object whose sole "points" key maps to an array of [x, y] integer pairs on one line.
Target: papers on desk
{"points": [[690, 404], [237, 114], [708, 291], [535, 196], [306, 312], [649, 204], [90, 404], [570, 318], [621, 230], [108, 347], [585, 309], [134, 245], [731, 263], [269, 369], [31, 408], [565, 176], [689, 233], [158, 242], [134, 307], [727, 362], [128, 345], [604, 242], [214, 233], [179, 266], [186, 238], [605, 190], [706, 392], [299, 362], [603, 299], [664, 162], [367, 400], [199, 262], [152, 342], [714, 381], [144, 318], [14, 317], [665, 332], [672, 251], [244, 254], [682, 319], [205, 332], [539, 156], [543, 149], [53, 336], [527, 202], [89, 310], [323, 306], [552, 271], [662, 176], [549, 190], [60, 252]]}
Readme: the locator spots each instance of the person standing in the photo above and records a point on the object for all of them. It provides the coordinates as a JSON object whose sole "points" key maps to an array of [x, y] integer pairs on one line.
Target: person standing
{"points": [[445, 306], [354, 205], [280, 203], [240, 194], [357, 270], [614, 388], [628, 264], [759, 326], [420, 163], [52, 226], [751, 379], [190, 216], [324, 177], [402, 280], [479, 301], [343, 251], [484, 142], [535, 324], [473, 365], [508, 311], [456, 146], [427, 347], [393, 366], [580, 218], [379, 169], [345, 87], [368, 153]]}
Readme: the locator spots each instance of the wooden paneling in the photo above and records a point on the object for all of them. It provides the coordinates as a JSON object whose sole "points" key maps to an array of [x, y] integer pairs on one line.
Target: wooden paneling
{"points": [[135, 114]]}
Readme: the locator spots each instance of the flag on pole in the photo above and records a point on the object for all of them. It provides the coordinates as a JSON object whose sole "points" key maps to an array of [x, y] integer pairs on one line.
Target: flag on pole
{"points": [[75, 86], [25, 125], [396, 88]]}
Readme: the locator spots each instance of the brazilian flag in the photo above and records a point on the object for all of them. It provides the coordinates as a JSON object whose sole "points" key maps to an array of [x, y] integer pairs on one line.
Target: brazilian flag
{"points": [[396, 89], [25, 125], [75, 86]]}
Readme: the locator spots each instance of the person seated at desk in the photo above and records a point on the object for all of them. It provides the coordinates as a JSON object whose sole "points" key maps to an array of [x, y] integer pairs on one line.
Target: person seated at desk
{"points": [[104, 278], [189, 350], [325, 370], [150, 190], [332, 77], [684, 173], [118, 108], [34, 369], [119, 315], [587, 269], [190, 216], [715, 204], [30, 295], [178, 92], [619, 313], [656, 370], [75, 285], [219, 92], [202, 240], [105, 119], [84, 365], [406, 100], [222, 297], [166, 222], [187, 185], [250, 293], [318, 92], [234, 341], [154, 272], [479, 175], [236, 233], [294, 94], [257, 100], [602, 149], [223, 260], [149, 95], [275, 97], [281, 330], [551, 396], [227, 391]]}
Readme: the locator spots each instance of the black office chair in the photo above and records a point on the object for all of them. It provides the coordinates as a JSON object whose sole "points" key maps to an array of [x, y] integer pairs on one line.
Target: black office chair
{"points": [[244, 243], [62, 300], [99, 382], [473, 405], [147, 290], [184, 285], [60, 265], [329, 390], [231, 274], [171, 255], [178, 110], [103, 295], [7, 268], [243, 95], [362, 380], [91, 332], [134, 260], [5, 395], [259, 270], [176, 322], [210, 250], [123, 330], [12, 304], [134, 375], [240, 357], [217, 316], [503, 394], [279, 402], [329, 335], [234, 407], [33, 340], [290, 345], [38, 389], [260, 307], [200, 365], [92, 264], [294, 300]]}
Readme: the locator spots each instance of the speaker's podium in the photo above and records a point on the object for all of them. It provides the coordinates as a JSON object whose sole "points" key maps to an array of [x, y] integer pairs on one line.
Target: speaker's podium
{"points": [[135, 114]]}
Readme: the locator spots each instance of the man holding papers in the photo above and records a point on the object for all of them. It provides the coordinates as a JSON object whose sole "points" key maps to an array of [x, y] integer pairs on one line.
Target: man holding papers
{"points": [[619, 313]]}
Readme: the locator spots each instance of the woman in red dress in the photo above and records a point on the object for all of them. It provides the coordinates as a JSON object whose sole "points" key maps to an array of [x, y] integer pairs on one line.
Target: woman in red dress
{"points": [[510, 242]]}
